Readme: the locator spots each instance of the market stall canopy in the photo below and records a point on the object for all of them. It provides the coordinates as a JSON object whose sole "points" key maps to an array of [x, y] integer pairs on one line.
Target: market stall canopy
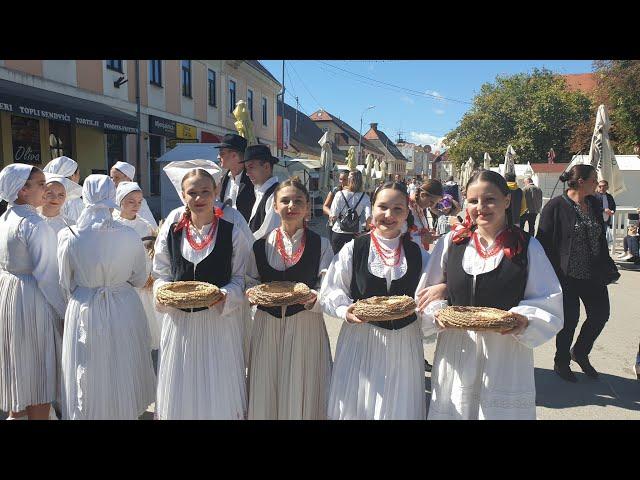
{"points": [[20, 99], [309, 164]]}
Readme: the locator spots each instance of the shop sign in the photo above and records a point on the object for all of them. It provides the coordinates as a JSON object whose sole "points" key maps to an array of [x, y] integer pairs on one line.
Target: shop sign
{"points": [[162, 126], [184, 131]]}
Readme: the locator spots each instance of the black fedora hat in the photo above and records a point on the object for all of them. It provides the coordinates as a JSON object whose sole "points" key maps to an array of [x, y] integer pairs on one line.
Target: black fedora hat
{"points": [[233, 142], [259, 152]]}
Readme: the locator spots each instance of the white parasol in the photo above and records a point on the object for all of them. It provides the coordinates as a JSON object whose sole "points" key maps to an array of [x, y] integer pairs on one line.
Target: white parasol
{"points": [[601, 155]]}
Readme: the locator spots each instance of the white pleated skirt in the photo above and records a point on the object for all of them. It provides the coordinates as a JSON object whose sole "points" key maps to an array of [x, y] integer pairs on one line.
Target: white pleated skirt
{"points": [[28, 351], [202, 369], [246, 326], [290, 367], [106, 361], [481, 376], [378, 374], [154, 318]]}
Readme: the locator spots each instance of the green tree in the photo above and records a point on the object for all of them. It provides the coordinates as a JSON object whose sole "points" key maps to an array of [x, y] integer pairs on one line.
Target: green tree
{"points": [[533, 112], [619, 89]]}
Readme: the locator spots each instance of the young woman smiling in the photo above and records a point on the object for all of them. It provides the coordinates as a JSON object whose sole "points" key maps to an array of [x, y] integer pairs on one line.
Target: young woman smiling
{"points": [[202, 368], [290, 363], [488, 375], [378, 372]]}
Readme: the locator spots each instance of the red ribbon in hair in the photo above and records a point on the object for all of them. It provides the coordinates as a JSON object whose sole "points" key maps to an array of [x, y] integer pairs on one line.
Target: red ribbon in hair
{"points": [[185, 219], [511, 239]]}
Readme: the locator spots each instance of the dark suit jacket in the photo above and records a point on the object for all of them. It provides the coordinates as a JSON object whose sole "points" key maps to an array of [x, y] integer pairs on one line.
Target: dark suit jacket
{"points": [[556, 233], [612, 205], [246, 195]]}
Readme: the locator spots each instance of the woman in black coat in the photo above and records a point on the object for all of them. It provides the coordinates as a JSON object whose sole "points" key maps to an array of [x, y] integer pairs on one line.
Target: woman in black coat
{"points": [[572, 232]]}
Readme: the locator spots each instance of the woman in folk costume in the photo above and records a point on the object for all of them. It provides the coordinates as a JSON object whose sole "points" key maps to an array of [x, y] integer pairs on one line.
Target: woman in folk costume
{"points": [[290, 364], [378, 372], [68, 168], [125, 172], [202, 367], [31, 302], [129, 199], [176, 171], [59, 190], [424, 199], [485, 262], [106, 362]]}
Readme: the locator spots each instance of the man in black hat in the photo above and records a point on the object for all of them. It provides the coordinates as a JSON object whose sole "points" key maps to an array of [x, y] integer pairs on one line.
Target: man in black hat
{"points": [[236, 187], [258, 163]]}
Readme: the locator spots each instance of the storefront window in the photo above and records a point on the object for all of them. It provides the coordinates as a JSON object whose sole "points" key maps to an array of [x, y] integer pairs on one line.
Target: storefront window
{"points": [[115, 149], [60, 139], [25, 133]]}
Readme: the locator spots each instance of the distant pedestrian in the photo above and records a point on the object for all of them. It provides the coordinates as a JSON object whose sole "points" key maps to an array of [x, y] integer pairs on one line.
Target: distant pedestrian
{"points": [[343, 179], [608, 208], [518, 204], [347, 211], [451, 187], [533, 199]]}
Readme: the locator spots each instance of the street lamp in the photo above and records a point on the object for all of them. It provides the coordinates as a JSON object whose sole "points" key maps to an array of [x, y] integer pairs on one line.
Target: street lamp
{"points": [[360, 133]]}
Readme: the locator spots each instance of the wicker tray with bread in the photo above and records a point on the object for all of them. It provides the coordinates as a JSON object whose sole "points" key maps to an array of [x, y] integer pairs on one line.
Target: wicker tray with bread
{"points": [[190, 294], [477, 318], [376, 309], [279, 294]]}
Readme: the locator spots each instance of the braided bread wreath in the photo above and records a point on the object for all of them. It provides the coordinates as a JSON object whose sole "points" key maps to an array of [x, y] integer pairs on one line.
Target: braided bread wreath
{"points": [[477, 318], [188, 294], [279, 294], [384, 308]]}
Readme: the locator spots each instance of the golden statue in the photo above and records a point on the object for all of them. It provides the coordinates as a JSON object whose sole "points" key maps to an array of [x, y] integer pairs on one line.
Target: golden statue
{"points": [[243, 122], [351, 159]]}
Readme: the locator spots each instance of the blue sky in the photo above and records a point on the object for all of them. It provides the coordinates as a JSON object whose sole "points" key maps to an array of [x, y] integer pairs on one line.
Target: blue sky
{"points": [[432, 104]]}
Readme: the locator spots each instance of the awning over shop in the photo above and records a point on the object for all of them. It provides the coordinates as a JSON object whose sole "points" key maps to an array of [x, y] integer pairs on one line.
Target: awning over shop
{"points": [[35, 102]]}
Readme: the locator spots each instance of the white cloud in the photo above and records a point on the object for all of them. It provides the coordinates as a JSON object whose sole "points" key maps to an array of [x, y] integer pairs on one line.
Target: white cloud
{"points": [[424, 138], [433, 93], [407, 100], [438, 111]]}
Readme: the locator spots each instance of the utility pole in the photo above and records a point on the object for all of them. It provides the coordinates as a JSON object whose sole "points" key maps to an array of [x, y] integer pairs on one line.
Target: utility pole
{"points": [[138, 132], [282, 124]]}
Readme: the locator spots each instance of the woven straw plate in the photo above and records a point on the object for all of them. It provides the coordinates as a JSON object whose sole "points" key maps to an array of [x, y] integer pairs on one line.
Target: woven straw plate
{"points": [[188, 294], [384, 308], [477, 318], [278, 294]]}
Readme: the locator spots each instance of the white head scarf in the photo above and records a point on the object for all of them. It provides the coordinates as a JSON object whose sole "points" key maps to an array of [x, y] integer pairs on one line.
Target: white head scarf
{"points": [[64, 166], [98, 195], [12, 178], [126, 168], [177, 170], [72, 188], [124, 189]]}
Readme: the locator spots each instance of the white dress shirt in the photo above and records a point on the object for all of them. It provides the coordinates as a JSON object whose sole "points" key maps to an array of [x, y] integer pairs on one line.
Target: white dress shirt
{"points": [[233, 188], [271, 219]]}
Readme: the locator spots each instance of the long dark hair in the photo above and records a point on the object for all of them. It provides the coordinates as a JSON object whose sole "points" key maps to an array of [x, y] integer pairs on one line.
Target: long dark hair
{"points": [[495, 179], [400, 187], [575, 173]]}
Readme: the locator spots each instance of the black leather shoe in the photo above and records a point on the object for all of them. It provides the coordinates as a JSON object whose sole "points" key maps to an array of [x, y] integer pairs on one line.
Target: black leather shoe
{"points": [[585, 365], [427, 366], [565, 372]]}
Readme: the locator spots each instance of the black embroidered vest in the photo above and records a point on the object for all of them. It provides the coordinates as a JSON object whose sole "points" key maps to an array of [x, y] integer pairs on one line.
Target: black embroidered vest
{"points": [[501, 288], [305, 271], [246, 194], [258, 218], [365, 285], [216, 268]]}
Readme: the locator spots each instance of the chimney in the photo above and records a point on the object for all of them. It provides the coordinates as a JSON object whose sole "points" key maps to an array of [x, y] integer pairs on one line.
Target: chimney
{"points": [[374, 126]]}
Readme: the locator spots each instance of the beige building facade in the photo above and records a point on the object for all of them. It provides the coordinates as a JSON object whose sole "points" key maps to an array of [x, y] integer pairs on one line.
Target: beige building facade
{"points": [[87, 109]]}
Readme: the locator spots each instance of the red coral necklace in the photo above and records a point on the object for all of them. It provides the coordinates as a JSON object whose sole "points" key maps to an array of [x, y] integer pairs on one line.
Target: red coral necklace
{"points": [[387, 255], [295, 256]]}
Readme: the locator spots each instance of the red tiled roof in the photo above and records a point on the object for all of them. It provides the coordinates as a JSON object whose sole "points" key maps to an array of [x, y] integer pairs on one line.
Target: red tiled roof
{"points": [[548, 167], [581, 82]]}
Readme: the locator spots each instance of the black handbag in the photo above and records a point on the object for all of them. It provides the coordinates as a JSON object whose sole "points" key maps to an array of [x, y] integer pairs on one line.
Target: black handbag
{"points": [[608, 271]]}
